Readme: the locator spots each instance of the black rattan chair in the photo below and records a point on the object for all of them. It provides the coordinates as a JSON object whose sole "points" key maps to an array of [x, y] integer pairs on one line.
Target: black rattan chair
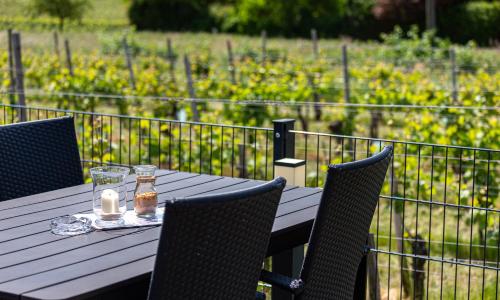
{"points": [[338, 239], [37, 157], [212, 247]]}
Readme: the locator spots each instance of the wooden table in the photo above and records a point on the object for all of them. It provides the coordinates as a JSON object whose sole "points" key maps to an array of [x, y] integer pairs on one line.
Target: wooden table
{"points": [[36, 264]]}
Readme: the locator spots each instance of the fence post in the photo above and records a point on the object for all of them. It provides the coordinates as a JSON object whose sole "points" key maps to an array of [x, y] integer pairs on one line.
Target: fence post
{"points": [[284, 140], [56, 43], [16, 45], [230, 59], [68, 57], [171, 58], [129, 63], [12, 84], [314, 38], [263, 35], [192, 95], [453, 75], [288, 262], [345, 69]]}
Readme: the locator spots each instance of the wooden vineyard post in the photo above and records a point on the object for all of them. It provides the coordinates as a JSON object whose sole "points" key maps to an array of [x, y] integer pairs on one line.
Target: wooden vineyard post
{"points": [[263, 35], [230, 60], [314, 38], [171, 59], [21, 100], [345, 69], [129, 63], [68, 57], [192, 95], [453, 75], [56, 44], [12, 84]]}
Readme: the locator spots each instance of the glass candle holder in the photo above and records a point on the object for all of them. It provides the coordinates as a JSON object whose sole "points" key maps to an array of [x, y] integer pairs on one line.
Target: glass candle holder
{"points": [[110, 195], [145, 195]]}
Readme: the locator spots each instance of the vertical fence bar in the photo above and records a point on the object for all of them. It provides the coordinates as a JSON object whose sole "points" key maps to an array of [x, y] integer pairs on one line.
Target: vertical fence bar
{"points": [[128, 58], [12, 83], [192, 95], [21, 100], [68, 57], [345, 69]]}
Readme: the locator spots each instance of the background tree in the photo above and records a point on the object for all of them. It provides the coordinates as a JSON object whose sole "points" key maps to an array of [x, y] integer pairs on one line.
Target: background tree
{"points": [[61, 9]]}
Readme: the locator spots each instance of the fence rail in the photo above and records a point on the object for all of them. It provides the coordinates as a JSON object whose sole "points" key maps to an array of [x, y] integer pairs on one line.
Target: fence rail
{"points": [[437, 224]]}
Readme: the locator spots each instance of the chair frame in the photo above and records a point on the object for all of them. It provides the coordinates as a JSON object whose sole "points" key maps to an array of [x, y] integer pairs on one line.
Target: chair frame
{"points": [[31, 149], [296, 286], [253, 209]]}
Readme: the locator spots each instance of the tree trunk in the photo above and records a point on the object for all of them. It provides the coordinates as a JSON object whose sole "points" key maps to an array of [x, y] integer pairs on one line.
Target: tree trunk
{"points": [[419, 248], [303, 119]]}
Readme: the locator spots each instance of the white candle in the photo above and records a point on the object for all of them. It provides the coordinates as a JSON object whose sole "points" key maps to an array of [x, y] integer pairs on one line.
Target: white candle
{"points": [[110, 202]]}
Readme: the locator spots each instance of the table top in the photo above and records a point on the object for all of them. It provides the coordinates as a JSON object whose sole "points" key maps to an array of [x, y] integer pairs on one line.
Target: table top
{"points": [[36, 264]]}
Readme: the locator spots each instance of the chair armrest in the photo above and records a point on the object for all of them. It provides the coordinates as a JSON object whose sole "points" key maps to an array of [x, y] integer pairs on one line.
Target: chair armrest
{"points": [[294, 286]]}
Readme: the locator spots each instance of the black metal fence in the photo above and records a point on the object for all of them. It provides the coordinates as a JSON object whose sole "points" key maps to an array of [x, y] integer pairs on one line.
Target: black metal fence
{"points": [[437, 225]]}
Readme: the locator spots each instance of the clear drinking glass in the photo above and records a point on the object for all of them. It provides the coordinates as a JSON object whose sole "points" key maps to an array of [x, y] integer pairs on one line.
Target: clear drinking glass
{"points": [[110, 194], [145, 195]]}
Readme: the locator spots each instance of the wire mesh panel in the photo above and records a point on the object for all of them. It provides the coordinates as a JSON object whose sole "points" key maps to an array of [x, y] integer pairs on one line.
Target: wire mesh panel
{"points": [[437, 223], [214, 149]]}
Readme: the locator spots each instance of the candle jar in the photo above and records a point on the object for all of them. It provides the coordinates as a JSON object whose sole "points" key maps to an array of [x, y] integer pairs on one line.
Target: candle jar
{"points": [[110, 195], [145, 195]]}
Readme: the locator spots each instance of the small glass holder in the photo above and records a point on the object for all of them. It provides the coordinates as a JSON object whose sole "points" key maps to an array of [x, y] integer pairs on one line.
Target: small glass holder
{"points": [[145, 195], [70, 225], [110, 195]]}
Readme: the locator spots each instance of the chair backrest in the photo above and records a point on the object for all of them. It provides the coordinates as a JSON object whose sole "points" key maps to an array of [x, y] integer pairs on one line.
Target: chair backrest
{"points": [[213, 247], [340, 230], [37, 157]]}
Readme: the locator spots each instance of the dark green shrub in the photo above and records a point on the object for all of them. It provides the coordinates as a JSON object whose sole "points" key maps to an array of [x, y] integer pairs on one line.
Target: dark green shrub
{"points": [[170, 14], [286, 18], [478, 21]]}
